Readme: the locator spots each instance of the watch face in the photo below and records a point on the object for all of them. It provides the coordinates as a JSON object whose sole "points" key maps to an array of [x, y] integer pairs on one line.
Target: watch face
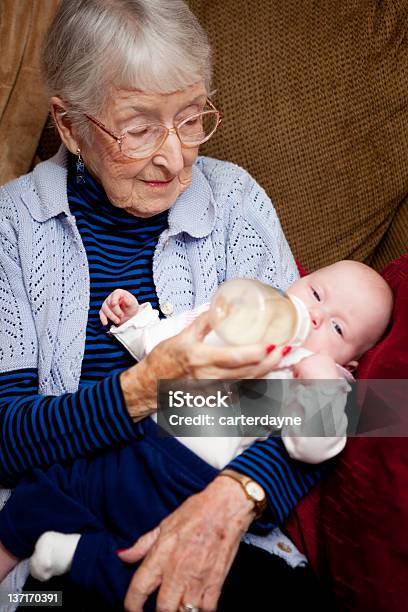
{"points": [[255, 491]]}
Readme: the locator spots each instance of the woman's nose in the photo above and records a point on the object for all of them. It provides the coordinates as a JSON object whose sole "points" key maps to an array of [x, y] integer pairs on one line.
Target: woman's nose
{"points": [[170, 154], [317, 317]]}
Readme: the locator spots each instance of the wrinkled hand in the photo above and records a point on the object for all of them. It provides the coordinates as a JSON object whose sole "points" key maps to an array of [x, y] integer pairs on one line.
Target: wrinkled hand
{"points": [[185, 356], [119, 307], [189, 555]]}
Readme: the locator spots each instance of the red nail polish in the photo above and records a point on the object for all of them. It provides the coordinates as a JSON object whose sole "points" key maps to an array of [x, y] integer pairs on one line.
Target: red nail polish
{"points": [[120, 550], [286, 350], [270, 348]]}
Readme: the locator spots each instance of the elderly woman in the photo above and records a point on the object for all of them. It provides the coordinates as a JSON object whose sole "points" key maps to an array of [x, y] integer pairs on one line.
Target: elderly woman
{"points": [[127, 203]]}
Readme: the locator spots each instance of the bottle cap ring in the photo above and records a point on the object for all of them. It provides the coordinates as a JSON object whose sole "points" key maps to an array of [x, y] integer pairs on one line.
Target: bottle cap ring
{"points": [[303, 322]]}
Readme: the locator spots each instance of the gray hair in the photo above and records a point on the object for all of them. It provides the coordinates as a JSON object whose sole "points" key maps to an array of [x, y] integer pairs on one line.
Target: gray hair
{"points": [[156, 46]]}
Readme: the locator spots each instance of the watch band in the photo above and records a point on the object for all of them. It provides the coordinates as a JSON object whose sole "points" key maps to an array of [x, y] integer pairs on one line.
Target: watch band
{"points": [[246, 482]]}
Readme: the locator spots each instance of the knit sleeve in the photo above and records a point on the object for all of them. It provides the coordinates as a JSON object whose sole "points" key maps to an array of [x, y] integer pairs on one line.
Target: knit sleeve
{"points": [[18, 340], [38, 430], [256, 246]]}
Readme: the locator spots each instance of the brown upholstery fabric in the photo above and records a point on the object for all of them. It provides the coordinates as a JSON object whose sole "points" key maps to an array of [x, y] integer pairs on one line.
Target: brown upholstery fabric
{"points": [[395, 241], [314, 96], [23, 107], [315, 102]]}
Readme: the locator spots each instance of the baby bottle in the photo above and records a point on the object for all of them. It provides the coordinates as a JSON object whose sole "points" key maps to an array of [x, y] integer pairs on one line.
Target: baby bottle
{"points": [[245, 311]]}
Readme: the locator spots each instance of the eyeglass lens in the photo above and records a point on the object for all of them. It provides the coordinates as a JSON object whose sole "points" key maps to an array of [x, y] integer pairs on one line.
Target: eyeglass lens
{"points": [[142, 140]]}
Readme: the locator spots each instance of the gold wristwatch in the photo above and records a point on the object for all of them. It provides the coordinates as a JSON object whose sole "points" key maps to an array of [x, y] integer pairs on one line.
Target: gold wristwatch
{"points": [[252, 489]]}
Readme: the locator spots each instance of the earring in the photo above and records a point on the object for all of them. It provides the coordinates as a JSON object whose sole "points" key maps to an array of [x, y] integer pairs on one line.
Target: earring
{"points": [[80, 168]]}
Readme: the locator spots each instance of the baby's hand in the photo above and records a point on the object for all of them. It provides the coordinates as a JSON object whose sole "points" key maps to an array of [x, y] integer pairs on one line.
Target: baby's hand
{"points": [[317, 367], [119, 307]]}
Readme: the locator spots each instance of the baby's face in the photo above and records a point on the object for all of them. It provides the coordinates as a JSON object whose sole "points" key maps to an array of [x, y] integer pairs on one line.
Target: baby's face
{"points": [[349, 306]]}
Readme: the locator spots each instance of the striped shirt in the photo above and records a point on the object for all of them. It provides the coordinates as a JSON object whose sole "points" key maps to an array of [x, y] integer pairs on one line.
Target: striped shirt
{"points": [[119, 249]]}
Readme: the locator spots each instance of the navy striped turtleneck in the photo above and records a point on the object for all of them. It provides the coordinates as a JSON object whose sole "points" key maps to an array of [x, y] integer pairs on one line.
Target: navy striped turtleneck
{"points": [[119, 248]]}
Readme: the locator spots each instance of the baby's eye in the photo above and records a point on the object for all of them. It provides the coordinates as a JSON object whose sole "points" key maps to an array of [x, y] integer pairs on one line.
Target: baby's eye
{"points": [[316, 295], [337, 328]]}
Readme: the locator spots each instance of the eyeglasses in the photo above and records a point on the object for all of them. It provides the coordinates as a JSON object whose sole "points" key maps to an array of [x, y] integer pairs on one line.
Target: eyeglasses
{"points": [[143, 140]]}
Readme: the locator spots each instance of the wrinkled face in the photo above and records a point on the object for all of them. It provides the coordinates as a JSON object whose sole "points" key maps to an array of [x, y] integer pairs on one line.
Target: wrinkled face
{"points": [[348, 310], [149, 186]]}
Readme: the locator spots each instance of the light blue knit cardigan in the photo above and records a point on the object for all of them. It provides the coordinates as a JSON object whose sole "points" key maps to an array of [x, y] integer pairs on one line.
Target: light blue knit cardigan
{"points": [[223, 226]]}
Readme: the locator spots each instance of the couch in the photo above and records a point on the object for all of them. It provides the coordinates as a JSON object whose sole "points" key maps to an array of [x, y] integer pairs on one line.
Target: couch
{"points": [[315, 106]]}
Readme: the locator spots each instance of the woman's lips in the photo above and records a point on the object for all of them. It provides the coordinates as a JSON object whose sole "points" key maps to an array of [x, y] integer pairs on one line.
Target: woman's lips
{"points": [[158, 184]]}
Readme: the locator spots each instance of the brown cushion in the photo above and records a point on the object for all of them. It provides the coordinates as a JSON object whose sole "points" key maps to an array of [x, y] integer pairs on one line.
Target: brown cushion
{"points": [[314, 99]]}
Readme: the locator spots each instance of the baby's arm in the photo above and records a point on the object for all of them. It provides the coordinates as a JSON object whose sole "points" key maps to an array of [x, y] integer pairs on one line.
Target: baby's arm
{"points": [[119, 307], [316, 367], [144, 331], [328, 399]]}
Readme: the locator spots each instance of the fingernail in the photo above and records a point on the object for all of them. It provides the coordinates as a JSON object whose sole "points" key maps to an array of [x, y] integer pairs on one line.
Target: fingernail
{"points": [[120, 550], [286, 350], [270, 348]]}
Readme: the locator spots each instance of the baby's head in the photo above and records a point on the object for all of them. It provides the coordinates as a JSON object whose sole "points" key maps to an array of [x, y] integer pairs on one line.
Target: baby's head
{"points": [[350, 306]]}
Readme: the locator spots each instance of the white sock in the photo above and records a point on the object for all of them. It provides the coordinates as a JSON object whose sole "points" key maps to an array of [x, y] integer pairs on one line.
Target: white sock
{"points": [[53, 554]]}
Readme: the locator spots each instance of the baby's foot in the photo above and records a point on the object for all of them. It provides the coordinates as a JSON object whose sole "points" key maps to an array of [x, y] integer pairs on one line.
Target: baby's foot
{"points": [[53, 554]]}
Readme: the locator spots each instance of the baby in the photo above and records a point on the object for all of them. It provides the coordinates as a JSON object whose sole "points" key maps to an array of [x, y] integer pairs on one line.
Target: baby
{"points": [[341, 331], [350, 307]]}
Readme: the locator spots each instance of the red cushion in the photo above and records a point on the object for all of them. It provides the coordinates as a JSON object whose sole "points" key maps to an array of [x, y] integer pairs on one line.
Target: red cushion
{"points": [[354, 525], [300, 268], [389, 359]]}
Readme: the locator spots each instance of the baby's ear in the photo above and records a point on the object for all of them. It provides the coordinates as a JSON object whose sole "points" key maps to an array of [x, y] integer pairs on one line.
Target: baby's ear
{"points": [[351, 366]]}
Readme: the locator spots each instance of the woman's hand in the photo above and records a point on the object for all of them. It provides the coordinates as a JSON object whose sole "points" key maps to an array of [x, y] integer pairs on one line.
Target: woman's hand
{"points": [[185, 356], [119, 307], [190, 553]]}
